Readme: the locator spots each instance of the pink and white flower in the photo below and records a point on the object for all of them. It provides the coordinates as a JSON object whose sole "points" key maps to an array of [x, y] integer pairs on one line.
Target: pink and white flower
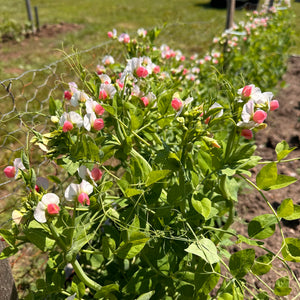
{"points": [[79, 192], [68, 120], [12, 171], [90, 121], [48, 206], [93, 106], [124, 38], [108, 60]]}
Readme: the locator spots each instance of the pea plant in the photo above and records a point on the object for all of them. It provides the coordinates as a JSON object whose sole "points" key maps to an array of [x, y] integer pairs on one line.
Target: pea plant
{"points": [[151, 154]]}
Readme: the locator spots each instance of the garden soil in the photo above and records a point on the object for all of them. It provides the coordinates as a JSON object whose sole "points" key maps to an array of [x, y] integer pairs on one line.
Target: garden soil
{"points": [[283, 124]]}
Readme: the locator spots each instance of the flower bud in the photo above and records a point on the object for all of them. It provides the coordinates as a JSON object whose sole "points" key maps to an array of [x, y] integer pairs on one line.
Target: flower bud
{"points": [[67, 126], [96, 174], [10, 171], [246, 92], [259, 116], [247, 134], [141, 72], [98, 124], [53, 209], [145, 101], [274, 104], [176, 104], [84, 198]]}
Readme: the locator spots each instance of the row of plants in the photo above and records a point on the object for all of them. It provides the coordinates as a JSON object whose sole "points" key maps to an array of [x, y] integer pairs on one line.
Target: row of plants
{"points": [[150, 154]]}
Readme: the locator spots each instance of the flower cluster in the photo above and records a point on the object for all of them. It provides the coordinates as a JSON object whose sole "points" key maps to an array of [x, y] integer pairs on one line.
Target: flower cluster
{"points": [[255, 108]]}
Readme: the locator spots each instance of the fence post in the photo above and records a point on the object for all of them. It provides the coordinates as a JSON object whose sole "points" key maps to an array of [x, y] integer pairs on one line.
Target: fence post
{"points": [[37, 20], [230, 13], [8, 289], [29, 14]]}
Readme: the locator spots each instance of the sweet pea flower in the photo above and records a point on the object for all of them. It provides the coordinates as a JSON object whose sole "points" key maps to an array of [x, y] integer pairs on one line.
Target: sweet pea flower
{"points": [[79, 192], [78, 97], [142, 32], [95, 174], [247, 134], [73, 88], [100, 69], [90, 121], [249, 92], [104, 78], [93, 106], [68, 120], [112, 34], [12, 171], [124, 38], [274, 104], [107, 91], [108, 60], [259, 116], [48, 206], [141, 72], [176, 104]]}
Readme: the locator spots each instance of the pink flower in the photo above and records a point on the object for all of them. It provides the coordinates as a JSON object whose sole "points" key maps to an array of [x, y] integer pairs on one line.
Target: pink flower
{"points": [[125, 38], [259, 116], [156, 69], [68, 126], [176, 104], [96, 174], [53, 209], [247, 134], [102, 95], [79, 192], [68, 95], [10, 171], [141, 72], [48, 205], [145, 101], [246, 92], [98, 124], [99, 110], [274, 104]]}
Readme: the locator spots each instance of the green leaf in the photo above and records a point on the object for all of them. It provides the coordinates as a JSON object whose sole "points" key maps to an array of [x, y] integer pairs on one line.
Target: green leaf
{"points": [[267, 176], [282, 149], [291, 249], [70, 166], [295, 215], [38, 236], [54, 105], [155, 176], [146, 296], [286, 208], [108, 246], [248, 241], [240, 262], [54, 178], [282, 286], [203, 207], [8, 237], [132, 247], [25, 160], [106, 290], [262, 264], [262, 296], [206, 249], [262, 227], [268, 179], [7, 252], [133, 192]]}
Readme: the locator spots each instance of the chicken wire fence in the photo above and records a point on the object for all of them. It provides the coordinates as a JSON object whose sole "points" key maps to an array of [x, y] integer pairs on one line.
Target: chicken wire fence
{"points": [[24, 105]]}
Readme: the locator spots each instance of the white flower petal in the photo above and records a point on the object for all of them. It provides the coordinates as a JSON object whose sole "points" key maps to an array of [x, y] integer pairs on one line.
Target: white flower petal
{"points": [[76, 118], [49, 199], [71, 192], [86, 187], [40, 213]]}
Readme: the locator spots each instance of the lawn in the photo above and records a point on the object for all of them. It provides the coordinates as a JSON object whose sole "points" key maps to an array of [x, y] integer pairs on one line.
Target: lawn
{"points": [[190, 26]]}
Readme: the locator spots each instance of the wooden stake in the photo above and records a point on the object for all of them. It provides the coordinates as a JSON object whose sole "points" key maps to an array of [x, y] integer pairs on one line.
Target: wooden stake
{"points": [[230, 13]]}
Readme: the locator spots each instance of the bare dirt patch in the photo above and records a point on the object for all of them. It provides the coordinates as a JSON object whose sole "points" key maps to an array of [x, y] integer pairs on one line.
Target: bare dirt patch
{"points": [[283, 124]]}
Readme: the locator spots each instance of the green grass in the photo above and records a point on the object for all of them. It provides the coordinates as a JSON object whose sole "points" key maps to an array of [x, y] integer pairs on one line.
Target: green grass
{"points": [[191, 25]]}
